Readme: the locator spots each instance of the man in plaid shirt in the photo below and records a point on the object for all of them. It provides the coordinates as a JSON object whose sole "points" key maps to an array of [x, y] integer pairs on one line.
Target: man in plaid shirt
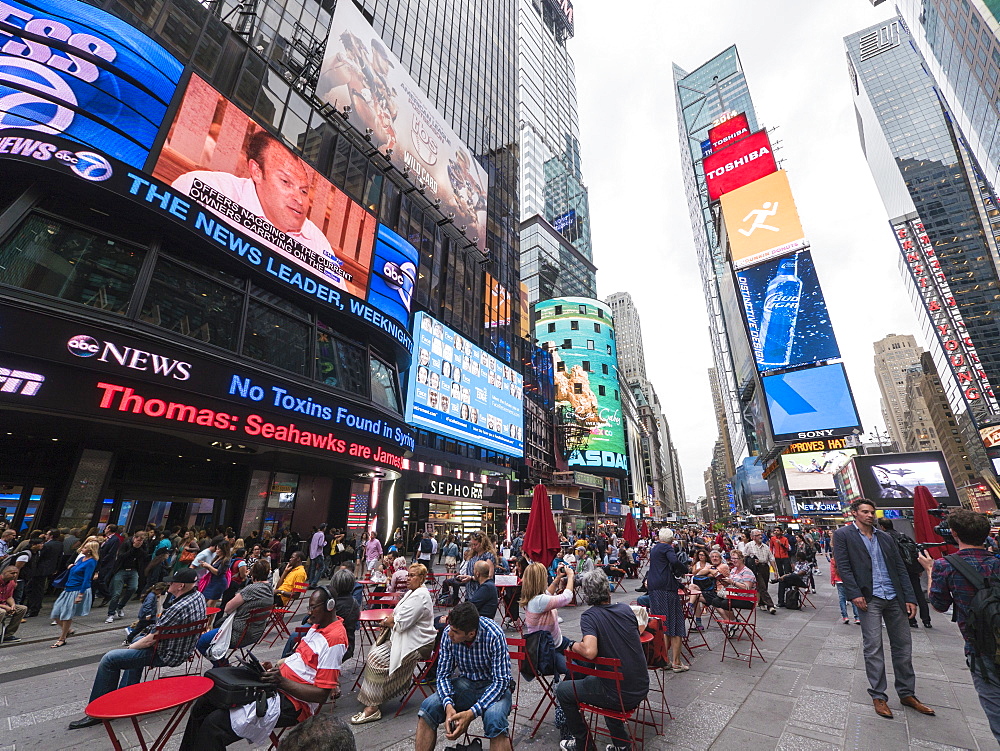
{"points": [[477, 647], [948, 588], [123, 667]]}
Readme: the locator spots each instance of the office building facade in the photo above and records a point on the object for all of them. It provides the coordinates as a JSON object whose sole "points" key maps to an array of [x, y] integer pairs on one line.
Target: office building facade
{"points": [[893, 355]]}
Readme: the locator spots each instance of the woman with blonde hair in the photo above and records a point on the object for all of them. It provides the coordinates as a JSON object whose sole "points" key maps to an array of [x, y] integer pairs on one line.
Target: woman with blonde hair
{"points": [[77, 596], [389, 666], [540, 603]]}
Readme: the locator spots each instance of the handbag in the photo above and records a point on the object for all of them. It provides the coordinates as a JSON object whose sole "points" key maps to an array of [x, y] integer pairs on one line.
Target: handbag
{"points": [[239, 686], [384, 635], [220, 642], [60, 581]]}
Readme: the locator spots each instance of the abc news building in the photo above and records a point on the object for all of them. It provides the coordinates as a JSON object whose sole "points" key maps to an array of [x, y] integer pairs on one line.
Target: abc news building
{"points": [[208, 276]]}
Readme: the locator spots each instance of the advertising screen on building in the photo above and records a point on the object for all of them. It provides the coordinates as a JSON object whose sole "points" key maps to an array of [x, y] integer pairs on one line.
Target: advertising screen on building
{"points": [[890, 478], [219, 157], [70, 69], [761, 220], [728, 132], [747, 160], [458, 390], [360, 72], [394, 275], [814, 470], [810, 403], [586, 381], [785, 313]]}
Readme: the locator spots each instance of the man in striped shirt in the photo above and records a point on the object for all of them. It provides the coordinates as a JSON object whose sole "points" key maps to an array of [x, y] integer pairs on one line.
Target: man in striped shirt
{"points": [[477, 647], [305, 680]]}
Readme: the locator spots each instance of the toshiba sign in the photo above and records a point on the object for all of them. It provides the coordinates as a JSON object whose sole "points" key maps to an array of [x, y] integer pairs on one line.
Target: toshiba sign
{"points": [[728, 132], [748, 159]]}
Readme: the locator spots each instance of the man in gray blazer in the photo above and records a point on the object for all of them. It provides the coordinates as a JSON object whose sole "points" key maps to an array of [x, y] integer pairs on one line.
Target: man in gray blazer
{"points": [[875, 579]]}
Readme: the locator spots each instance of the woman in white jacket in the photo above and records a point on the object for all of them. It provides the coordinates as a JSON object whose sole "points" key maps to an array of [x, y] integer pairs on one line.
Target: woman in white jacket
{"points": [[389, 666]]}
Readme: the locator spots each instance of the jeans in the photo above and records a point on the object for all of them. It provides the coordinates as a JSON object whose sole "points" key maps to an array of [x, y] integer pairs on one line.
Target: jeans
{"points": [[643, 601], [589, 690], [843, 602], [986, 679], [316, 566], [925, 612], [897, 627], [120, 668], [783, 566], [123, 586], [466, 693]]}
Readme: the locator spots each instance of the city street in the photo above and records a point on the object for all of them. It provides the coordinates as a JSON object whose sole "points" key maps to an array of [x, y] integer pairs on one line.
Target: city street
{"points": [[810, 694]]}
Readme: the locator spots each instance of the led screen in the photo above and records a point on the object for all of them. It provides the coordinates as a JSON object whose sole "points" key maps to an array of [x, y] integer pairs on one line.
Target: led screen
{"points": [[785, 313], [810, 403], [761, 220], [728, 132], [749, 159], [458, 390], [586, 380], [67, 68], [360, 73], [394, 274], [814, 470], [893, 477], [229, 164]]}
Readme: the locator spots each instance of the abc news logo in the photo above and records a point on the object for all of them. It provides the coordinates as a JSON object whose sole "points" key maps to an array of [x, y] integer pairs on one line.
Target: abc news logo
{"points": [[82, 345]]}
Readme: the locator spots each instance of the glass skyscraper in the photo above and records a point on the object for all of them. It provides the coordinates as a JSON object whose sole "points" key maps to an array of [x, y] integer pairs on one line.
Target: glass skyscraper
{"points": [[556, 255], [703, 96], [942, 212]]}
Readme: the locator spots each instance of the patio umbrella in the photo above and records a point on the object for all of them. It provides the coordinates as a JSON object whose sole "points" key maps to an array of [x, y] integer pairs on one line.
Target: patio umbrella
{"points": [[541, 541], [631, 534], [644, 531], [924, 522]]}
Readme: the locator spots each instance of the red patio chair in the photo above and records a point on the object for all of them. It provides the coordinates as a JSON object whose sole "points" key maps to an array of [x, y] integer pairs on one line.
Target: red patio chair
{"points": [[168, 633], [421, 672], [743, 626], [609, 668]]}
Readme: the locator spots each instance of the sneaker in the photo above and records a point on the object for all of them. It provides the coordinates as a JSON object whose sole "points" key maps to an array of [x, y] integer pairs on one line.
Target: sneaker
{"points": [[109, 619], [569, 745], [54, 623], [559, 618], [121, 613], [845, 621], [11, 638], [857, 621]]}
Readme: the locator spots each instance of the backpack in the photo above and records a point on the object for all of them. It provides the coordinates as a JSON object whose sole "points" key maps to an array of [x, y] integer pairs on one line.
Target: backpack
{"points": [[656, 654], [792, 599], [982, 623], [909, 550], [426, 546]]}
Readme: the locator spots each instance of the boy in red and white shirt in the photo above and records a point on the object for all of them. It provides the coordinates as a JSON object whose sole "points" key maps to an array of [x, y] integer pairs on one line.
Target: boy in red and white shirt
{"points": [[305, 680]]}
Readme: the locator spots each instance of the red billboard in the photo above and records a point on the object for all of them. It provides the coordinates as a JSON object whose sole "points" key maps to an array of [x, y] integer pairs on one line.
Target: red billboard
{"points": [[729, 132], [748, 159]]}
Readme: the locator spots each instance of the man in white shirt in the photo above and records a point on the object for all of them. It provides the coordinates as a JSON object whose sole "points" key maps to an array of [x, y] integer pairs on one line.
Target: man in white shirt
{"points": [[765, 560], [277, 190]]}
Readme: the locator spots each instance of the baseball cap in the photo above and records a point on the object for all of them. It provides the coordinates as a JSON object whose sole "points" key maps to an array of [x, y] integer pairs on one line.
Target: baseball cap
{"points": [[184, 576]]}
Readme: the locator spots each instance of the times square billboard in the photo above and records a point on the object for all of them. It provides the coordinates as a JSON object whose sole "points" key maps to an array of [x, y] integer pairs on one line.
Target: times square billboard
{"points": [[785, 313], [92, 104], [586, 380]]}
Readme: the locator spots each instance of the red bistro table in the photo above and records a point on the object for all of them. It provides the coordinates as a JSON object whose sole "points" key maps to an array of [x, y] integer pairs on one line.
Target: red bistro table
{"points": [[140, 699], [366, 621]]}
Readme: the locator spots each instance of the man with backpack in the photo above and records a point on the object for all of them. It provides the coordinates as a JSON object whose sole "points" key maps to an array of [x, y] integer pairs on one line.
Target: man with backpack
{"points": [[910, 552], [969, 581], [426, 550]]}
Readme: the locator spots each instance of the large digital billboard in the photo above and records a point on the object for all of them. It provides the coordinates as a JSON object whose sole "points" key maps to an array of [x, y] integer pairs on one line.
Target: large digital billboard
{"points": [[728, 132], [67, 68], [814, 470], [761, 220], [888, 479], [220, 158], [747, 160], [360, 72], [785, 313], [810, 403], [586, 380], [456, 389], [394, 275]]}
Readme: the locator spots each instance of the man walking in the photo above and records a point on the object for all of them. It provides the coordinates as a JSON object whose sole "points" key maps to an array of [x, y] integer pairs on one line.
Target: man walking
{"points": [[781, 550], [948, 586], [761, 553], [875, 579], [317, 546], [425, 551]]}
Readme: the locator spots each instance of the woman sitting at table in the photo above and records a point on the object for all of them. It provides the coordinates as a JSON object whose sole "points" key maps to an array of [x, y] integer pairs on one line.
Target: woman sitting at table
{"points": [[389, 666], [257, 594], [738, 577]]}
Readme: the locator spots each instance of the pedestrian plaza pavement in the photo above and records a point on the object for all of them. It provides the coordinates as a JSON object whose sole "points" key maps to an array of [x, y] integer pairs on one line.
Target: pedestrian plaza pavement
{"points": [[809, 694]]}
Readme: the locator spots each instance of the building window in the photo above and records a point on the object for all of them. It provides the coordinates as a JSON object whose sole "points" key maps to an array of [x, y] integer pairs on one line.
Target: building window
{"points": [[567, 344], [561, 366], [586, 365], [191, 304], [276, 338], [383, 385], [601, 391], [616, 395], [609, 349], [590, 344], [339, 363], [577, 388], [600, 313], [559, 310], [604, 368], [597, 328], [574, 325], [552, 328], [583, 310], [48, 256]]}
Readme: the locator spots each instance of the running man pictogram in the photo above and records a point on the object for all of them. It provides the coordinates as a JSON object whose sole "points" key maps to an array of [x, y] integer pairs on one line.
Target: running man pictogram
{"points": [[759, 217]]}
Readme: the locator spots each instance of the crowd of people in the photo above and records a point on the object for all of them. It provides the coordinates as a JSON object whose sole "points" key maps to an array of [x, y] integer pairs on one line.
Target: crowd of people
{"points": [[177, 575]]}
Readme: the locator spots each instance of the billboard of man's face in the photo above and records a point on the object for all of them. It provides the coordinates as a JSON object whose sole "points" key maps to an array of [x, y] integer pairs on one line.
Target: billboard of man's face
{"points": [[282, 186]]}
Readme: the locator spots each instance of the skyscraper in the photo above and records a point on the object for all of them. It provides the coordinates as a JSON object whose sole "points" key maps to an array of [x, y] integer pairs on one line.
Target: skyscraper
{"points": [[941, 210], [556, 256], [893, 355], [631, 356]]}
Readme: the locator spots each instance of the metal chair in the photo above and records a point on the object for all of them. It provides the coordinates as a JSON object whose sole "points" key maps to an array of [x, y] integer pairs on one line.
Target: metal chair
{"points": [[742, 625], [421, 672], [610, 668], [169, 633]]}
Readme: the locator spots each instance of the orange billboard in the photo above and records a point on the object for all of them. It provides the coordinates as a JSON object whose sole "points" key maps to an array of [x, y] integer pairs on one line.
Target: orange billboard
{"points": [[761, 221]]}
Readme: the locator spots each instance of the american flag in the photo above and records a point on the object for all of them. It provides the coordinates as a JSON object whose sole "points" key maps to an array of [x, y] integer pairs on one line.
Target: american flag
{"points": [[359, 510]]}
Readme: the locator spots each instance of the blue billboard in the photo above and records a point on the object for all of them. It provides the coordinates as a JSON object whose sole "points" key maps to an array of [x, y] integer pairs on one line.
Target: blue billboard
{"points": [[785, 313], [456, 389], [69, 69], [810, 403], [394, 274]]}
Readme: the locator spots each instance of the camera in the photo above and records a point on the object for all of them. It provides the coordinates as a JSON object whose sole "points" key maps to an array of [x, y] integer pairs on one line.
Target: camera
{"points": [[943, 529]]}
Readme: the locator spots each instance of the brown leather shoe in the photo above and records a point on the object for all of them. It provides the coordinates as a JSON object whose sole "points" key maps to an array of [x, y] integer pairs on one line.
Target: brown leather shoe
{"points": [[882, 708], [914, 703]]}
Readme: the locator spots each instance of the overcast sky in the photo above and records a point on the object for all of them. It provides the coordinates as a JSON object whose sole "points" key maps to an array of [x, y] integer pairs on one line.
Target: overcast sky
{"points": [[793, 57]]}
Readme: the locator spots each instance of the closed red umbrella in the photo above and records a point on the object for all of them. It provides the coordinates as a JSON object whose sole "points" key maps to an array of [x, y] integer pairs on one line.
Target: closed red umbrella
{"points": [[631, 534], [924, 522], [541, 540], [644, 531]]}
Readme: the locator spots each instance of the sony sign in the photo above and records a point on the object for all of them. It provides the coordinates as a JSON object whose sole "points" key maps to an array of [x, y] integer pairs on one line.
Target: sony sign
{"points": [[83, 345]]}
